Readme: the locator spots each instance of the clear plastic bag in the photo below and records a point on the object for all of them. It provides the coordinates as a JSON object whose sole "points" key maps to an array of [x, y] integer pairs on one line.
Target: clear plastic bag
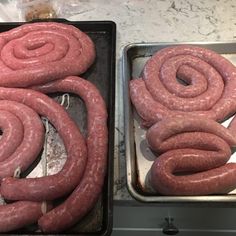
{"points": [[36, 9], [41, 9], [69, 8]]}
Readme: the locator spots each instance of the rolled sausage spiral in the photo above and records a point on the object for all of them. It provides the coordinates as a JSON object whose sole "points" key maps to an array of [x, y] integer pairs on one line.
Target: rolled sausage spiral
{"points": [[210, 79], [41, 52]]}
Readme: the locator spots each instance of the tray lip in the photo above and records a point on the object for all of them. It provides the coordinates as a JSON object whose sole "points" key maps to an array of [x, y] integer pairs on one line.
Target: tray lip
{"points": [[63, 20], [216, 199], [111, 125], [110, 27], [129, 46]]}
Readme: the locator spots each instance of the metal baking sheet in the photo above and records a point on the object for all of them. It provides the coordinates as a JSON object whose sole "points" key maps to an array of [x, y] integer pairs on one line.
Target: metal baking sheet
{"points": [[139, 157], [102, 74]]}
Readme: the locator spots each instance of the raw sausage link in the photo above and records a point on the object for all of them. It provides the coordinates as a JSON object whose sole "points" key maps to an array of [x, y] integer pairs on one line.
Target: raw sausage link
{"points": [[162, 89], [151, 111], [191, 144], [159, 133], [19, 214], [37, 53], [12, 134], [87, 192], [23, 155], [60, 184]]}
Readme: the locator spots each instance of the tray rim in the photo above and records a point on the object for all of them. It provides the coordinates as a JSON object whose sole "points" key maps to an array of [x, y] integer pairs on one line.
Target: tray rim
{"points": [[128, 122]]}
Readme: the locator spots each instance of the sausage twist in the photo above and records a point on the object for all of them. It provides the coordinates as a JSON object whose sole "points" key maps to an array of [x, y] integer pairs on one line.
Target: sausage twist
{"points": [[196, 146]]}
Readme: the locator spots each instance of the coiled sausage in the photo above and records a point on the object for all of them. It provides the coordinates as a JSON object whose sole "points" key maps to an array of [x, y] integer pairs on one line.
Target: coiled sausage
{"points": [[60, 184], [38, 53], [41, 52], [163, 95], [23, 155], [88, 190], [198, 146]]}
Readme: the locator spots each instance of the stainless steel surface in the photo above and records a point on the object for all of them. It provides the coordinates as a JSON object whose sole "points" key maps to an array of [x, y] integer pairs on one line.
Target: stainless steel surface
{"points": [[138, 156]]}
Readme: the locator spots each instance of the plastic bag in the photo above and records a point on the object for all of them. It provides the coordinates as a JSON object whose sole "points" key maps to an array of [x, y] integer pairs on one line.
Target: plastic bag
{"points": [[41, 9], [68, 8], [36, 9]]}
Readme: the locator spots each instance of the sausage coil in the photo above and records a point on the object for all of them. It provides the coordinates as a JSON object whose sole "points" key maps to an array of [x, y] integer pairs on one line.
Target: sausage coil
{"points": [[205, 88], [41, 52], [194, 152]]}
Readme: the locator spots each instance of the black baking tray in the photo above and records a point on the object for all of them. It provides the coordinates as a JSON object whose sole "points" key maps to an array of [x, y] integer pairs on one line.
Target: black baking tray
{"points": [[102, 74]]}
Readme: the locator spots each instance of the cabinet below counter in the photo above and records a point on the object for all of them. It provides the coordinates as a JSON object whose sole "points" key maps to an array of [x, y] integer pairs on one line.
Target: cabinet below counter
{"points": [[135, 219]]}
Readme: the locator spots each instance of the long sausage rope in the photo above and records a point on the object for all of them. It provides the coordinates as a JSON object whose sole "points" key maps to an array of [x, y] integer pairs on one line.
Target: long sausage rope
{"points": [[43, 55]]}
